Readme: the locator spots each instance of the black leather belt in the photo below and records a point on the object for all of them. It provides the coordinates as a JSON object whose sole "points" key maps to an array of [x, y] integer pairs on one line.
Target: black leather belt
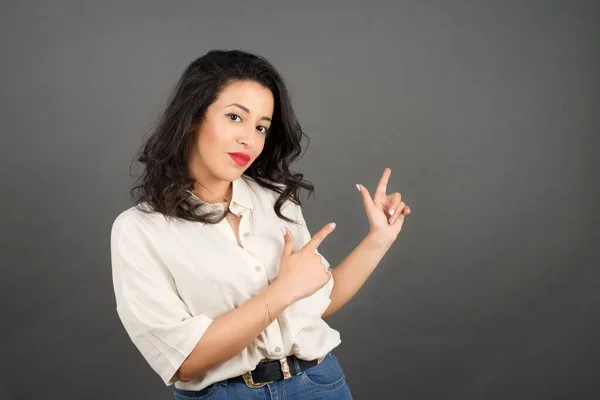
{"points": [[274, 370]]}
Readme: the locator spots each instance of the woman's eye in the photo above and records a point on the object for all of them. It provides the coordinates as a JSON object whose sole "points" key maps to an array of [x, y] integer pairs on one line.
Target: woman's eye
{"points": [[233, 117]]}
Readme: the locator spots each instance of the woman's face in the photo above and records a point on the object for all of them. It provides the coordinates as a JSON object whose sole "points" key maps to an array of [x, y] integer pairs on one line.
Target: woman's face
{"points": [[237, 122]]}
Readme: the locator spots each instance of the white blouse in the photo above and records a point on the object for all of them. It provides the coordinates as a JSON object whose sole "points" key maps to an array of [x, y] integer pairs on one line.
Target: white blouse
{"points": [[172, 278]]}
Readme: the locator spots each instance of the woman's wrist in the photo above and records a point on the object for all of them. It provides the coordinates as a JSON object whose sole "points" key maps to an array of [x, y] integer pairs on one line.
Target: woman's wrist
{"points": [[380, 240], [279, 291]]}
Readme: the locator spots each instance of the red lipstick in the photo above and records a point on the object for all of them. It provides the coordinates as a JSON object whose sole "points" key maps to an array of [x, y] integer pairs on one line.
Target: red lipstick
{"points": [[240, 158]]}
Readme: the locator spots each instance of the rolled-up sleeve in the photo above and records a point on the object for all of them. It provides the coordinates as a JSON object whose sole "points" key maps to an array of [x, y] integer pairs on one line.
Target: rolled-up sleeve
{"points": [[156, 319]]}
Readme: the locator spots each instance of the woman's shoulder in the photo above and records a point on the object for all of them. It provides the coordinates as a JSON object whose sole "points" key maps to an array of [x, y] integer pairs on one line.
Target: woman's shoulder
{"points": [[139, 218]]}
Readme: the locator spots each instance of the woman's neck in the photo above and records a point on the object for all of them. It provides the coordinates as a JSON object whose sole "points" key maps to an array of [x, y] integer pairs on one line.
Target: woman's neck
{"points": [[215, 194]]}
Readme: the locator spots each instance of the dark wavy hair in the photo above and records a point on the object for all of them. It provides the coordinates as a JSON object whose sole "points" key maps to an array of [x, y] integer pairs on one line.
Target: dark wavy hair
{"points": [[165, 179]]}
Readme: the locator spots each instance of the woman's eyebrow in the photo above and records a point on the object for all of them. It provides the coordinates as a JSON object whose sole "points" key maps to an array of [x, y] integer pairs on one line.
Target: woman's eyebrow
{"points": [[247, 110]]}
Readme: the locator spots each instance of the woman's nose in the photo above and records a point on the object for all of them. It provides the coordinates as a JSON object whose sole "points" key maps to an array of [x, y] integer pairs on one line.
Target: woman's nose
{"points": [[248, 137]]}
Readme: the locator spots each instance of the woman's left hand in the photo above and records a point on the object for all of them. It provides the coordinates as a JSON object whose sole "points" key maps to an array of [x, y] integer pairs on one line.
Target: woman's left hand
{"points": [[385, 212]]}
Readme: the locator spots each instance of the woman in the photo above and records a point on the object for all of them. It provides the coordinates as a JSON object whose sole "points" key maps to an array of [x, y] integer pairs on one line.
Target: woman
{"points": [[218, 281]]}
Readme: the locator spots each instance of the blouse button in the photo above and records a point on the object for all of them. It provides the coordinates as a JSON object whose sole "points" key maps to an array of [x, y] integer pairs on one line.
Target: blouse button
{"points": [[246, 234], [234, 204], [277, 349], [257, 268]]}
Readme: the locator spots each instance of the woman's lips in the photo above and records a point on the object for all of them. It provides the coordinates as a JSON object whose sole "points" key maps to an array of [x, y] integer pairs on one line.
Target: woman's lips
{"points": [[239, 159]]}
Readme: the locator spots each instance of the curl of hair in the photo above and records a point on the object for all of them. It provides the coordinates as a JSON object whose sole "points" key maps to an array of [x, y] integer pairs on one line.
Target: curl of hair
{"points": [[165, 180]]}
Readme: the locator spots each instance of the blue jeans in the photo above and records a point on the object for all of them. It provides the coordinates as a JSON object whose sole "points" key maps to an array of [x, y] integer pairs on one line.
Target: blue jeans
{"points": [[322, 381]]}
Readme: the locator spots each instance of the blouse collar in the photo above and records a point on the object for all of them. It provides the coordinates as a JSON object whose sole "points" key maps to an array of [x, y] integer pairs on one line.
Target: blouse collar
{"points": [[240, 196]]}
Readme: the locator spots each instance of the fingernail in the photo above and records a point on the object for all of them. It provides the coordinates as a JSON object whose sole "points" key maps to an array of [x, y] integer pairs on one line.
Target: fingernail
{"points": [[283, 230], [392, 220], [358, 187], [332, 225], [392, 211]]}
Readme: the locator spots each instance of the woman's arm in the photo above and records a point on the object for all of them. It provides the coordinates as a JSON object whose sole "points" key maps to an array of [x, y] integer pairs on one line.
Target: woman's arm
{"points": [[300, 274], [386, 215], [350, 275], [232, 332]]}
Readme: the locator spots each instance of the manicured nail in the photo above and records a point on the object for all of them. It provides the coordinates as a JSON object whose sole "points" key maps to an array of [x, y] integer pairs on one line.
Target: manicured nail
{"points": [[358, 187], [392, 211], [392, 220]]}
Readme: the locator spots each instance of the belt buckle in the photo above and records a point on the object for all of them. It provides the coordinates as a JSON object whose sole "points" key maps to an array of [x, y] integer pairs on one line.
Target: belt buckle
{"points": [[285, 368], [250, 382]]}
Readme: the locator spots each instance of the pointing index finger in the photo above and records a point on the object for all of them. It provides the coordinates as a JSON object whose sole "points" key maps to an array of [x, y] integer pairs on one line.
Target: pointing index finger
{"points": [[318, 237], [382, 185]]}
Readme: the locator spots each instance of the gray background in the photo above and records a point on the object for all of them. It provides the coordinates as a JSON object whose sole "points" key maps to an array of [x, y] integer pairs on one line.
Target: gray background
{"points": [[487, 113]]}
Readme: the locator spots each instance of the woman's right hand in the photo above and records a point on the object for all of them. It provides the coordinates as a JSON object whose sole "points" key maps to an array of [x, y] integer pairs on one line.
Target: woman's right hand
{"points": [[302, 272]]}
